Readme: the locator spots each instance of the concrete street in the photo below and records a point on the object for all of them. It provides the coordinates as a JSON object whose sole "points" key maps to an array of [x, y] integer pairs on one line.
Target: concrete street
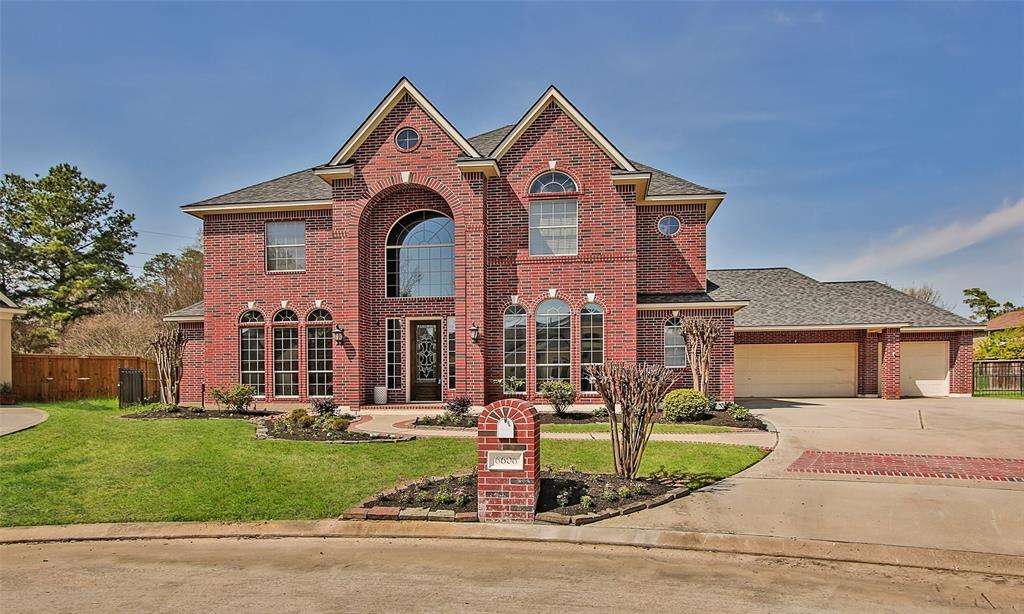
{"points": [[958, 514], [426, 575]]}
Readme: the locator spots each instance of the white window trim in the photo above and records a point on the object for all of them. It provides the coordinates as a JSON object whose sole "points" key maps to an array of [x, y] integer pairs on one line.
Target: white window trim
{"points": [[387, 247], [530, 227], [584, 365], [298, 361], [526, 352], [387, 353], [665, 346], [267, 246], [241, 371], [310, 371], [537, 364]]}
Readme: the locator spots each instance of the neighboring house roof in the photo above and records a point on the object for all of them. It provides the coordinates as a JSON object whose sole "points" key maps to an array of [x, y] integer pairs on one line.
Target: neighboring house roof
{"points": [[1010, 319], [780, 297], [6, 302], [193, 312]]}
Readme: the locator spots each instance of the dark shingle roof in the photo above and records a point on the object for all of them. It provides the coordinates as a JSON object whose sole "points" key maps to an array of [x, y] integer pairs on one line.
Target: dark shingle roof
{"points": [[304, 185], [296, 187], [715, 294], [192, 311], [783, 297]]}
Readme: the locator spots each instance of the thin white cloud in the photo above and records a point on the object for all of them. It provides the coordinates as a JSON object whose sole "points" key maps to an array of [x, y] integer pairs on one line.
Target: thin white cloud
{"points": [[904, 248], [792, 18]]}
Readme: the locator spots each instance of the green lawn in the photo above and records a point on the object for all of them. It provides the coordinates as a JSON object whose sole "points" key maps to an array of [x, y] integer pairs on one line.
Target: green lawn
{"points": [[1000, 395], [602, 427], [85, 464]]}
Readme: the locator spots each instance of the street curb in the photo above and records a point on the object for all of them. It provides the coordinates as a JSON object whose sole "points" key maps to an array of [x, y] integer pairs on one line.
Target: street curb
{"points": [[875, 554]]}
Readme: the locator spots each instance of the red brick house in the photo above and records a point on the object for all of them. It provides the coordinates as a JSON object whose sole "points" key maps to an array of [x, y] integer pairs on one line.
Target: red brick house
{"points": [[423, 265]]}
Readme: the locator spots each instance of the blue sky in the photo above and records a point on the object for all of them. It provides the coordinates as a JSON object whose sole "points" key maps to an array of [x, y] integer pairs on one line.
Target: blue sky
{"points": [[856, 141]]}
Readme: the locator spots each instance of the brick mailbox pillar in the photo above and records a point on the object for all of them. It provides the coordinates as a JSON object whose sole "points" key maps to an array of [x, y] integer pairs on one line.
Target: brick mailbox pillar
{"points": [[508, 462]]}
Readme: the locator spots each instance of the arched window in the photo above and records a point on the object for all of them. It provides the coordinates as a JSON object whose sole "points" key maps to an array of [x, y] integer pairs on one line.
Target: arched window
{"points": [[319, 355], [421, 256], [675, 343], [591, 342], [286, 315], [553, 182], [554, 224], [514, 327], [251, 352], [553, 341], [286, 355], [319, 315], [251, 317]]}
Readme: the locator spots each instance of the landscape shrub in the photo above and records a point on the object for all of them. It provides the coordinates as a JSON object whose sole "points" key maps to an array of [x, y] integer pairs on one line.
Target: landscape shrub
{"points": [[685, 405], [324, 407], [601, 412], [738, 412], [238, 398], [511, 385], [559, 394], [459, 406]]}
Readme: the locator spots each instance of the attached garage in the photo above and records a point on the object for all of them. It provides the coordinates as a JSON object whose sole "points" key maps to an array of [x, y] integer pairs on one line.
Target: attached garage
{"points": [[924, 368], [796, 370]]}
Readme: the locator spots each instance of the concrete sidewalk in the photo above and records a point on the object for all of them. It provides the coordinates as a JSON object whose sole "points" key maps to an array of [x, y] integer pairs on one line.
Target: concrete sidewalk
{"points": [[391, 423], [14, 419]]}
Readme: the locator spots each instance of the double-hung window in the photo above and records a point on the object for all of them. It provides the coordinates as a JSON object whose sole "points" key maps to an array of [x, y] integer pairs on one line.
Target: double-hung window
{"points": [[675, 343], [286, 246], [554, 223], [319, 354]]}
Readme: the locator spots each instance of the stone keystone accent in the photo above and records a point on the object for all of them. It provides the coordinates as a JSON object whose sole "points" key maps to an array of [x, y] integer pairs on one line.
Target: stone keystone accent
{"points": [[508, 462]]}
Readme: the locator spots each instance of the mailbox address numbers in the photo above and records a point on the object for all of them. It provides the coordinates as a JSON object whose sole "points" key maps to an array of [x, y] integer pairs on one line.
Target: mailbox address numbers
{"points": [[498, 460]]}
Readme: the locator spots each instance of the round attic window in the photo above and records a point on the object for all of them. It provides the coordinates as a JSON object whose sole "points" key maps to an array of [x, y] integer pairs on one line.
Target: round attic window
{"points": [[668, 225], [407, 139]]}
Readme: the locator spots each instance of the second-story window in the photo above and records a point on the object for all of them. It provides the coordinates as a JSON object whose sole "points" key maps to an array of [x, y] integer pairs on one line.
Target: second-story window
{"points": [[286, 246], [554, 225]]}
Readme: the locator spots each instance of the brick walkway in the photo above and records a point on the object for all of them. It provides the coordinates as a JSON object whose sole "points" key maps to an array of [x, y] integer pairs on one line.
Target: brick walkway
{"points": [[911, 465]]}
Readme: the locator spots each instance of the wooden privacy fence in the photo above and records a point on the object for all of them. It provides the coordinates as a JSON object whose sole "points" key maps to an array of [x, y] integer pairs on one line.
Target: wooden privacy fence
{"points": [[58, 377]]}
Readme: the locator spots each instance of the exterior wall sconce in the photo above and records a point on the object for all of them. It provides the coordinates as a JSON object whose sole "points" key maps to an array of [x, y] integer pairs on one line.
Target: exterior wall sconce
{"points": [[474, 332], [339, 334]]}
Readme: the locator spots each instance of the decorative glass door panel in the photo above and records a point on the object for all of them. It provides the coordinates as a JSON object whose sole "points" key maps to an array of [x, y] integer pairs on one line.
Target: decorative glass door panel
{"points": [[425, 361]]}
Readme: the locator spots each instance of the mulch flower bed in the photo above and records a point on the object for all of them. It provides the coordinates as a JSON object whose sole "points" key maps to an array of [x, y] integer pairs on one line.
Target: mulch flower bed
{"points": [[330, 429], [447, 421], [711, 418], [567, 497], [189, 413]]}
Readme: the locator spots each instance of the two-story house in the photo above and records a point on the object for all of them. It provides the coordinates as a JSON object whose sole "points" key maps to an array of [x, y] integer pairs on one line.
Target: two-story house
{"points": [[417, 265]]}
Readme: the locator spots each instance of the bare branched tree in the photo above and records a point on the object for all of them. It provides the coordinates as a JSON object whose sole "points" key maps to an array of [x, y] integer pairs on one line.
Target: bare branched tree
{"points": [[168, 349], [636, 390], [701, 335]]}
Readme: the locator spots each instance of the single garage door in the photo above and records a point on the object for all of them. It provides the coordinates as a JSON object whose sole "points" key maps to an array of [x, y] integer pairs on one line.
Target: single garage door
{"points": [[924, 369], [796, 370]]}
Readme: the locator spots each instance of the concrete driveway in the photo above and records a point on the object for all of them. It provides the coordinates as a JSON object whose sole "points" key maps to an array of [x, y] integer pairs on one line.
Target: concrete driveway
{"points": [[771, 498]]}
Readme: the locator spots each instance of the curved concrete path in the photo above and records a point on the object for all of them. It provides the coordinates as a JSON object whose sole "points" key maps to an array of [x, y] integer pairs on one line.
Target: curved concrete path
{"points": [[393, 424], [14, 419]]}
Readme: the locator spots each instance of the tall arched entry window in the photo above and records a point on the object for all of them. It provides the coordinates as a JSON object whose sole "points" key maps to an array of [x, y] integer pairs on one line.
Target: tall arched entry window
{"points": [[554, 341], [421, 256], [591, 342], [251, 352]]}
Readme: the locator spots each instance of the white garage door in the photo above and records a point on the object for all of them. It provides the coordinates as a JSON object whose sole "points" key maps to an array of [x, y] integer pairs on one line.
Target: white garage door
{"points": [[796, 370], [924, 369]]}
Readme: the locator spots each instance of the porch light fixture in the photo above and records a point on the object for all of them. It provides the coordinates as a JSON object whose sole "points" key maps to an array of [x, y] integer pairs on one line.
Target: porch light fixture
{"points": [[339, 334], [474, 332]]}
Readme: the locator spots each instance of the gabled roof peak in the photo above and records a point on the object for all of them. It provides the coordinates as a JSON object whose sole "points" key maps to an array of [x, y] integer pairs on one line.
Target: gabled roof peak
{"points": [[403, 88], [553, 95]]}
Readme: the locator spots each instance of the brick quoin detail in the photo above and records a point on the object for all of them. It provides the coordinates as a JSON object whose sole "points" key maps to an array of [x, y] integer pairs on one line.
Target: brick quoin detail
{"points": [[508, 496], [910, 465]]}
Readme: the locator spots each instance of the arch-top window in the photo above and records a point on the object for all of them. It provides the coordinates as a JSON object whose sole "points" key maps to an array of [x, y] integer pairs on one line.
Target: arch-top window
{"points": [[251, 317], [319, 315], [421, 256], [591, 342], [675, 343], [514, 327], [552, 183], [553, 341], [286, 315]]}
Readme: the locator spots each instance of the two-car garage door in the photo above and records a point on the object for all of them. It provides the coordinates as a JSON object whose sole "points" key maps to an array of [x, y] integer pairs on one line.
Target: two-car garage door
{"points": [[830, 369], [796, 370]]}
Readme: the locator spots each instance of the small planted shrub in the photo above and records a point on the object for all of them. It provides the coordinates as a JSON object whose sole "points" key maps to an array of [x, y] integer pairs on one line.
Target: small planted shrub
{"points": [[334, 424], [443, 497], [738, 412], [564, 497], [195, 410], [685, 405], [324, 407], [459, 406], [559, 394], [586, 502], [624, 492], [609, 493], [511, 385], [639, 489], [238, 398], [601, 412]]}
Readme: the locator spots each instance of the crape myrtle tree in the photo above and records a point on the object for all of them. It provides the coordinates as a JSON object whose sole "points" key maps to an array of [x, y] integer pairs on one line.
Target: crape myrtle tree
{"points": [[701, 335], [62, 250], [636, 389], [168, 349]]}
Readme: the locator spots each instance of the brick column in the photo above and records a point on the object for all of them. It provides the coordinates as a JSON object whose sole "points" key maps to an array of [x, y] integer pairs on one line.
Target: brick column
{"points": [[867, 365], [508, 468], [962, 364], [890, 375]]}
